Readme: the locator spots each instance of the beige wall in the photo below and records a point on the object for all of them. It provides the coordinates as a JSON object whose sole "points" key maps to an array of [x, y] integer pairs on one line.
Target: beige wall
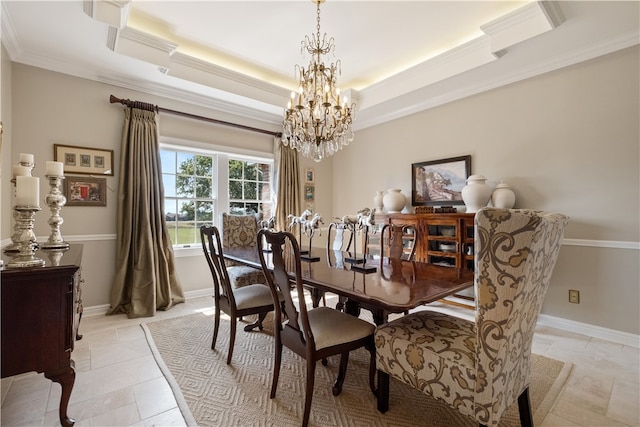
{"points": [[565, 141], [50, 108], [6, 189]]}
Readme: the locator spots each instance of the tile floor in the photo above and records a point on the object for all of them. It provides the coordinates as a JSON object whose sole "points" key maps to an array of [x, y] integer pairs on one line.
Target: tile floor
{"points": [[119, 384]]}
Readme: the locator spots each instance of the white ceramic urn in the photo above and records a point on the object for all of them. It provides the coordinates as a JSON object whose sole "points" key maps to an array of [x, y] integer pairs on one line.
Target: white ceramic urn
{"points": [[394, 200], [377, 201], [503, 196], [476, 193]]}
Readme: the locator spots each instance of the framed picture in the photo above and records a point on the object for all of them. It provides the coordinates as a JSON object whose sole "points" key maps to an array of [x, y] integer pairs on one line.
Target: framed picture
{"points": [[308, 175], [439, 182], [81, 191], [83, 160], [308, 193]]}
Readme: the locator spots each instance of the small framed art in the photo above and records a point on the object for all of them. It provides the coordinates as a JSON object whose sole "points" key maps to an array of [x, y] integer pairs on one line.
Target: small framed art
{"points": [[439, 182], [81, 191], [83, 160], [308, 176], [309, 191]]}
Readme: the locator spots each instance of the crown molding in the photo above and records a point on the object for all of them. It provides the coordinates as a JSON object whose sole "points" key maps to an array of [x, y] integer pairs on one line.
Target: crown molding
{"points": [[193, 69], [520, 25], [399, 107], [10, 38], [144, 46]]}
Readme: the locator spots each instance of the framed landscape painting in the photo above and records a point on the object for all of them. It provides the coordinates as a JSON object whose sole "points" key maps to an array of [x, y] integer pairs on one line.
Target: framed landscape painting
{"points": [[439, 182]]}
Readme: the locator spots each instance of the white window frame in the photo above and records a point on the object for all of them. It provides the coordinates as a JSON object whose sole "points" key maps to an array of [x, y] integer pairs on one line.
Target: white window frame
{"points": [[222, 154]]}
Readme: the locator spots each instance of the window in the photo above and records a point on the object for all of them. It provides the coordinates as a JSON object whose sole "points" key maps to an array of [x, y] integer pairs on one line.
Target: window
{"points": [[189, 181], [249, 188], [200, 184]]}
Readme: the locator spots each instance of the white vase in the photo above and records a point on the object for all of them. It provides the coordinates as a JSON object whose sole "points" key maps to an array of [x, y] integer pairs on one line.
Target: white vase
{"points": [[503, 196], [394, 200], [377, 201], [476, 193]]}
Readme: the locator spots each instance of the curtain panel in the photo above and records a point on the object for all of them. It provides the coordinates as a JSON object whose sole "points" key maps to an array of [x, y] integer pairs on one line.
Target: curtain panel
{"points": [[287, 173], [145, 279]]}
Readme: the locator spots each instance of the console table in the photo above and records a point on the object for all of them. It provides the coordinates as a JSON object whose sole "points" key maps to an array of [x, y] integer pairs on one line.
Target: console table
{"points": [[41, 310]]}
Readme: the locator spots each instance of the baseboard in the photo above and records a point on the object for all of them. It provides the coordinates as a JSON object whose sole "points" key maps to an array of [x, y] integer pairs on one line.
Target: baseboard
{"points": [[101, 310], [593, 331]]}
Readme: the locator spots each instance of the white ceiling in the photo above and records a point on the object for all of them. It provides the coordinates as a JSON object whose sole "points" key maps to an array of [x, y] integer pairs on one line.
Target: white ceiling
{"points": [[398, 57]]}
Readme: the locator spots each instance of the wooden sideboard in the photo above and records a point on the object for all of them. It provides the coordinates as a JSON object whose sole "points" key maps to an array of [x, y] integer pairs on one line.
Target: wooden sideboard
{"points": [[41, 311]]}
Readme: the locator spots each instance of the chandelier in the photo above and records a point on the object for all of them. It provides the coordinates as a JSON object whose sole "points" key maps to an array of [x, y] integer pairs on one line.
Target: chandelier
{"points": [[317, 122]]}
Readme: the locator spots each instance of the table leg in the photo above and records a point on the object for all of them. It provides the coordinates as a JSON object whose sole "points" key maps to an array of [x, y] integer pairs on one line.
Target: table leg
{"points": [[352, 307], [66, 377], [316, 296]]}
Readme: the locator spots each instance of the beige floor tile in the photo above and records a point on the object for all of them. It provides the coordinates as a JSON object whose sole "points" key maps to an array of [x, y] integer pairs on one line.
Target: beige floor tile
{"points": [[154, 397], [169, 418], [625, 398], [553, 420], [123, 416]]}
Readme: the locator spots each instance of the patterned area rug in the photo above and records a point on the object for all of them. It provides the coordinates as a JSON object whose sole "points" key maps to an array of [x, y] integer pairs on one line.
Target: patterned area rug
{"points": [[218, 394]]}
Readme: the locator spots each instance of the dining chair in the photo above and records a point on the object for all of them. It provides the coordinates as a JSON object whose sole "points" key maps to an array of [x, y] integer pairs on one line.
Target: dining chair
{"points": [[392, 241], [241, 231], [480, 368], [235, 302], [313, 334]]}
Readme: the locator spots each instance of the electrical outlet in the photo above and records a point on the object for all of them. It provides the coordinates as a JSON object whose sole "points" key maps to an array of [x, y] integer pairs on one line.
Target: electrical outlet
{"points": [[574, 296]]}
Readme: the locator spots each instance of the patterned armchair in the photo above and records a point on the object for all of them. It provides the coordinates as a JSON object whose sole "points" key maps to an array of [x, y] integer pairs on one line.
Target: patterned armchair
{"points": [[481, 368], [241, 231]]}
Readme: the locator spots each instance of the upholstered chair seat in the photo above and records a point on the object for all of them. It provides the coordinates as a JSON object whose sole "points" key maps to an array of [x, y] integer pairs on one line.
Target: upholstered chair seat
{"points": [[480, 368], [241, 231]]}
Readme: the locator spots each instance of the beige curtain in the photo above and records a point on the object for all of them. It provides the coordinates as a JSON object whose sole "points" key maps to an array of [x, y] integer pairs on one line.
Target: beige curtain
{"points": [[287, 184], [145, 279]]}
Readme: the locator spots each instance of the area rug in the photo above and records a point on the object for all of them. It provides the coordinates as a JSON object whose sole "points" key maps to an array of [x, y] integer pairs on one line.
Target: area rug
{"points": [[212, 393]]}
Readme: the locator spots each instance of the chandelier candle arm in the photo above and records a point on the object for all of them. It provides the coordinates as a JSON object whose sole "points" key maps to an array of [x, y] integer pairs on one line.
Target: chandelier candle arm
{"points": [[317, 123]]}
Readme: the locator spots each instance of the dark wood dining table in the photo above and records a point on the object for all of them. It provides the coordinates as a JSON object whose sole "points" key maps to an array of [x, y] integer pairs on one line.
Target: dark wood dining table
{"points": [[394, 285]]}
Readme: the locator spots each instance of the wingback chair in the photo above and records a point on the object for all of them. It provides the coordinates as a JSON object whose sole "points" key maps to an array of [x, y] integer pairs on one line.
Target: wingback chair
{"points": [[241, 231], [480, 368]]}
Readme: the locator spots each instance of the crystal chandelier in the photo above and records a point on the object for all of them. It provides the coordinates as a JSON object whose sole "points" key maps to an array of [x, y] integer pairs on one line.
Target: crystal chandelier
{"points": [[317, 122]]}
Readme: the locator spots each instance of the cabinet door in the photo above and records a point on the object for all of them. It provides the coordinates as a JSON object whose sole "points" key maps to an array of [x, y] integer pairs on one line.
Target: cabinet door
{"points": [[443, 242]]}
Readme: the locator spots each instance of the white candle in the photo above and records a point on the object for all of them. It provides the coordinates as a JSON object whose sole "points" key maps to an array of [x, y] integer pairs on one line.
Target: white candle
{"points": [[54, 168], [27, 191], [26, 158], [20, 171]]}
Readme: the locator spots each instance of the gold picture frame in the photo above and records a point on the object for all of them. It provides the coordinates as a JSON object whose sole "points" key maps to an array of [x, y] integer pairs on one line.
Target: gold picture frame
{"points": [[84, 160], [85, 191]]}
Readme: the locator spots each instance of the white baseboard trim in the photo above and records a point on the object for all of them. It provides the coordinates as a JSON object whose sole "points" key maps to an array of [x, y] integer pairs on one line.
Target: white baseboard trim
{"points": [[95, 310], [593, 331], [101, 310]]}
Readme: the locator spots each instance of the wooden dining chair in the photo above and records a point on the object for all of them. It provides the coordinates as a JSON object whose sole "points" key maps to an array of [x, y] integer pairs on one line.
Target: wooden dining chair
{"points": [[235, 302], [312, 334], [480, 368], [392, 241]]}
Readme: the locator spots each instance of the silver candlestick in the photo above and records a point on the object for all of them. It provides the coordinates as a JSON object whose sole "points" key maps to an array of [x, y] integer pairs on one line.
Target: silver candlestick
{"points": [[55, 200], [26, 250], [15, 237]]}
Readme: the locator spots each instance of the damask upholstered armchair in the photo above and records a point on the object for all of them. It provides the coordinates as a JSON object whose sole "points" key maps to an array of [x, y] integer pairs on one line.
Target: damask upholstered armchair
{"points": [[481, 368], [241, 231]]}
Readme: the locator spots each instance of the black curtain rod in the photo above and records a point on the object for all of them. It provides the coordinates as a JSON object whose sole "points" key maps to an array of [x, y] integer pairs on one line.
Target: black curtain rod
{"points": [[151, 107]]}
